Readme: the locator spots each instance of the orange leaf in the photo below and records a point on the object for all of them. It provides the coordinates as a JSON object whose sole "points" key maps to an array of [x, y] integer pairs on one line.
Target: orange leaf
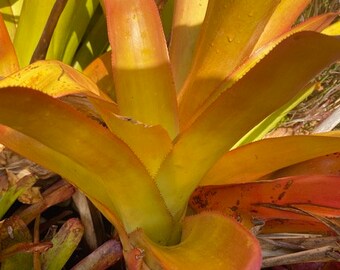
{"points": [[267, 200], [8, 58], [142, 74], [209, 241]]}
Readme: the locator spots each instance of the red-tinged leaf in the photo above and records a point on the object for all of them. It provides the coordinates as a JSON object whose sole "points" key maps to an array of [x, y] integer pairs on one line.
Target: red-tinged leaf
{"points": [[186, 25], [269, 155], [266, 200], [100, 167], [51, 77], [14, 231], [326, 165], [152, 143], [277, 78], [141, 68], [209, 241], [282, 19], [229, 34], [280, 225], [100, 71], [8, 59]]}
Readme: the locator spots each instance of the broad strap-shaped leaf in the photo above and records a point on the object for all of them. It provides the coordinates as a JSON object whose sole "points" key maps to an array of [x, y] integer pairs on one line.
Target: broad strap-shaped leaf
{"points": [[326, 165], [313, 24], [282, 20], [277, 78], [8, 58], [142, 74], [272, 121], [51, 77], [266, 156], [265, 200], [151, 144], [209, 241], [333, 29], [187, 21], [100, 72], [228, 35], [86, 154]]}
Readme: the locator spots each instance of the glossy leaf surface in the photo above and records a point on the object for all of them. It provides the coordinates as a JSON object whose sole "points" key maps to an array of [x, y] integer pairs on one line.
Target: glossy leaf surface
{"points": [[209, 241], [187, 21], [141, 69], [51, 77], [263, 157], [285, 15], [112, 184], [277, 78], [228, 35], [267, 200]]}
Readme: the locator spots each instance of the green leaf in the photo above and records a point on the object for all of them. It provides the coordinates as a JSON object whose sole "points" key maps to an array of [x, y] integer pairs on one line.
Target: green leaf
{"points": [[11, 10], [64, 243], [277, 78], [69, 145], [140, 63], [209, 241]]}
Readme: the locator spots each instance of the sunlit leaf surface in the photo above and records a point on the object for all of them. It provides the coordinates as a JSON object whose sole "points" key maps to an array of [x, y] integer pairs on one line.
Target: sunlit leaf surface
{"points": [[209, 241]]}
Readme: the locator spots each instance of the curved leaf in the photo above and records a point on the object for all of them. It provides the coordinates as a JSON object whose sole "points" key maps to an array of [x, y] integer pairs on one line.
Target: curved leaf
{"points": [[8, 58], [144, 85], [228, 35], [100, 72], [277, 78], [285, 15], [265, 200], [115, 177], [51, 77], [151, 144], [209, 241], [10, 10], [263, 157]]}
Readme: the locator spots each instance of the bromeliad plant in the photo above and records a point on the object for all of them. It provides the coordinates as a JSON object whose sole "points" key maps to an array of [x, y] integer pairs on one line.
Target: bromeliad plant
{"points": [[236, 64]]}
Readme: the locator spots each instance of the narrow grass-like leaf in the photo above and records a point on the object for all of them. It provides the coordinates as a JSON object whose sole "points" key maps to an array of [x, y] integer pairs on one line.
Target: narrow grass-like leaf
{"points": [[266, 156], [10, 10], [141, 68], [8, 58], [209, 241], [8, 197], [94, 43], [68, 137], [278, 77], [265, 200], [187, 21], [71, 27], [228, 35], [282, 20], [64, 243]]}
